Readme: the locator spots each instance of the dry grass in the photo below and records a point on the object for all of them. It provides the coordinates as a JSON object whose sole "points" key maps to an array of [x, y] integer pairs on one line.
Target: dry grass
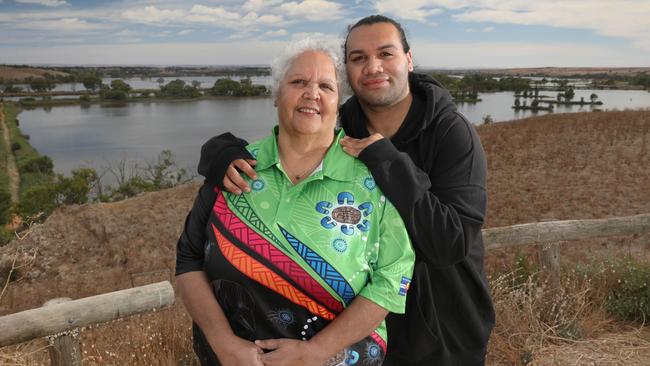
{"points": [[161, 338], [19, 74]]}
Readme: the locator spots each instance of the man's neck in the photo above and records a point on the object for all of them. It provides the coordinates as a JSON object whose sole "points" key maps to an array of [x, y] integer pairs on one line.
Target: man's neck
{"points": [[387, 120]]}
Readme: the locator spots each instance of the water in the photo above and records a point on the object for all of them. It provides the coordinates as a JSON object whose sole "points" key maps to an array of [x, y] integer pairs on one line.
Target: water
{"points": [[92, 135]]}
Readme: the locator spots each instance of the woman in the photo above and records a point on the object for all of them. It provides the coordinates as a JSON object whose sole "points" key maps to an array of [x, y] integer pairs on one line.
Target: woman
{"points": [[303, 269]]}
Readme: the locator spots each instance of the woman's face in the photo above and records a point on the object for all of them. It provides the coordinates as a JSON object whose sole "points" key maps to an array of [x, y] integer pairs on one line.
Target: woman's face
{"points": [[308, 97]]}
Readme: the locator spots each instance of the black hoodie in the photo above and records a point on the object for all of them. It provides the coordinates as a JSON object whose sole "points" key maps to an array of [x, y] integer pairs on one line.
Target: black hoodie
{"points": [[434, 171]]}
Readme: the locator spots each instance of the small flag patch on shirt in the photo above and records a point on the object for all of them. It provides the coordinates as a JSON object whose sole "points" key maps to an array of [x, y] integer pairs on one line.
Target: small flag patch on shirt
{"points": [[404, 286]]}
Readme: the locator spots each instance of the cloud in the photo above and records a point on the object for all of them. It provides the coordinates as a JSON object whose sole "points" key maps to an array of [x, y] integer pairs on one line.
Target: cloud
{"points": [[426, 53], [418, 10], [314, 10], [627, 19], [487, 29], [522, 54], [63, 25], [184, 32], [277, 33], [151, 14], [257, 5], [52, 3], [204, 13]]}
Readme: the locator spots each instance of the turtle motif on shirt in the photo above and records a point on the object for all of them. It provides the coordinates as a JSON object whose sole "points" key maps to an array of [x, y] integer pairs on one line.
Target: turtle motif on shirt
{"points": [[349, 217]]}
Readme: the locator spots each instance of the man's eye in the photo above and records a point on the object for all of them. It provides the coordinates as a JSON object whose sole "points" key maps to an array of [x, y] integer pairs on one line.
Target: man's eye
{"points": [[356, 58], [386, 54]]}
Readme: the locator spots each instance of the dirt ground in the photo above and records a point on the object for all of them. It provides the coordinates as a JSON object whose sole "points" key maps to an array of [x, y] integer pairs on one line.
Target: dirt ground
{"points": [[565, 166]]}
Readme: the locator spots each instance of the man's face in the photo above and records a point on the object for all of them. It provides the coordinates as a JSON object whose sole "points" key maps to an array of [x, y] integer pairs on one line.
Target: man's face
{"points": [[377, 66]]}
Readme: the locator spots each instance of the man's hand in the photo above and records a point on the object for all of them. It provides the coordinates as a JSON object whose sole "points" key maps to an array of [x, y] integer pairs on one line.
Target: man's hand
{"points": [[290, 352], [240, 352], [233, 181], [354, 146]]}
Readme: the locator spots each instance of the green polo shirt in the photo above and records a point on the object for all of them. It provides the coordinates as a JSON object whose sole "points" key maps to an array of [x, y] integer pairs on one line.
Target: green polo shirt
{"points": [[336, 221]]}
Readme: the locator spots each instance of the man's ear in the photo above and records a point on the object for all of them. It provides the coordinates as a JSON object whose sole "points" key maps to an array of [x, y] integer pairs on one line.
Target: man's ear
{"points": [[409, 57]]}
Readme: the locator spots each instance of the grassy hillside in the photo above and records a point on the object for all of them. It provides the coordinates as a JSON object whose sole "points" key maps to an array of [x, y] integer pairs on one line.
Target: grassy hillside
{"points": [[584, 165]]}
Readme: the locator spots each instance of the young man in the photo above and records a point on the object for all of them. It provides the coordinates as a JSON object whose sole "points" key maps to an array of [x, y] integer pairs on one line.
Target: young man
{"points": [[429, 162]]}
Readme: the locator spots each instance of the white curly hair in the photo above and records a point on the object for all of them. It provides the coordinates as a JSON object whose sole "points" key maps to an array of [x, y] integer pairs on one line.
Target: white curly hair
{"points": [[284, 61]]}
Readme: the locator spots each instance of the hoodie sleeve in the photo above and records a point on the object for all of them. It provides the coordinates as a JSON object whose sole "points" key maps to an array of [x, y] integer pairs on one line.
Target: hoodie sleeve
{"points": [[444, 207], [217, 153]]}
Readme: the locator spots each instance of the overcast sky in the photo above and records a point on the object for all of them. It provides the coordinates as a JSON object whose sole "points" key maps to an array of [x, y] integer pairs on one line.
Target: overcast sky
{"points": [[443, 33]]}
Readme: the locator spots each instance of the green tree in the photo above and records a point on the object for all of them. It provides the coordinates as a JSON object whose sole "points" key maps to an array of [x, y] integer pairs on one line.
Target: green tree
{"points": [[593, 97], [517, 102], [178, 88], [91, 82], [196, 84], [41, 84], [118, 90], [226, 87], [569, 94]]}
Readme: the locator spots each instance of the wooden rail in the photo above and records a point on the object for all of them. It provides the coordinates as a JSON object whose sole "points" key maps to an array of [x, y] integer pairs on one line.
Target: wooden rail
{"points": [[556, 231], [70, 315]]}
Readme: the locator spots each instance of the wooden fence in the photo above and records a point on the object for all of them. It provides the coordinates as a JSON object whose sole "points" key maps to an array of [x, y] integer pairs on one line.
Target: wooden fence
{"points": [[63, 318]]}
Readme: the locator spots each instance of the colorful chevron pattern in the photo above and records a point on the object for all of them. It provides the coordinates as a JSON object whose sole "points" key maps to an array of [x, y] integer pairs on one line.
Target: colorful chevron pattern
{"points": [[243, 207], [264, 276], [333, 278], [253, 240]]}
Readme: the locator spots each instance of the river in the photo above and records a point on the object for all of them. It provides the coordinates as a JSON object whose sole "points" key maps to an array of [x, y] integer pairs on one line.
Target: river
{"points": [[93, 135]]}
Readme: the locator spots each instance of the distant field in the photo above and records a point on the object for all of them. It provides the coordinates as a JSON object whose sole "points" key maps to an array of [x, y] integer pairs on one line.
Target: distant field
{"points": [[571, 71], [20, 74]]}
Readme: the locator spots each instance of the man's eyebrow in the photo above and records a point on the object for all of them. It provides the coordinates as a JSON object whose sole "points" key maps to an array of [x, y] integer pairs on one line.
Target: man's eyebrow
{"points": [[383, 47]]}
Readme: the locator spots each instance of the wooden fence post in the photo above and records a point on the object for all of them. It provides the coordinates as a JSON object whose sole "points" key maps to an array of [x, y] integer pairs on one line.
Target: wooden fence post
{"points": [[64, 347], [549, 258]]}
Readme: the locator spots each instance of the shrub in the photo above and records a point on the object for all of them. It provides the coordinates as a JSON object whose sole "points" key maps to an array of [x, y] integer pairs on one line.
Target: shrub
{"points": [[85, 98], [42, 164], [75, 189], [5, 237], [15, 146], [36, 200], [5, 206], [629, 294]]}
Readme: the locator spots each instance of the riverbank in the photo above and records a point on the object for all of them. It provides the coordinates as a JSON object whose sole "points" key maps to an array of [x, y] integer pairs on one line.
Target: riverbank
{"points": [[9, 177], [562, 166], [29, 103], [33, 168]]}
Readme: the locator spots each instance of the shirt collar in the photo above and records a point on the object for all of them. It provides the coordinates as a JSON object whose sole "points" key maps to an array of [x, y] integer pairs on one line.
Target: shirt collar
{"points": [[336, 164]]}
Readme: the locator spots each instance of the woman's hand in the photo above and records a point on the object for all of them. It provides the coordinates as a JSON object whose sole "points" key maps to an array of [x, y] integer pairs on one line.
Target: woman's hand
{"points": [[290, 352], [240, 352], [233, 181], [354, 146]]}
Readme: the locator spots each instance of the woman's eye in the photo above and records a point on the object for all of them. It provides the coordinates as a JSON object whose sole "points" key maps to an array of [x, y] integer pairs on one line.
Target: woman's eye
{"points": [[298, 82], [327, 87]]}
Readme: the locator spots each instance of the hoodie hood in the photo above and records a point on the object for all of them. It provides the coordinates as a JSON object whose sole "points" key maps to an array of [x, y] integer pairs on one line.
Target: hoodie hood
{"points": [[425, 89]]}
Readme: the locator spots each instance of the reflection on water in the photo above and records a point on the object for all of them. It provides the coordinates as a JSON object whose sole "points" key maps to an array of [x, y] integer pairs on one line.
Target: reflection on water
{"points": [[93, 134]]}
